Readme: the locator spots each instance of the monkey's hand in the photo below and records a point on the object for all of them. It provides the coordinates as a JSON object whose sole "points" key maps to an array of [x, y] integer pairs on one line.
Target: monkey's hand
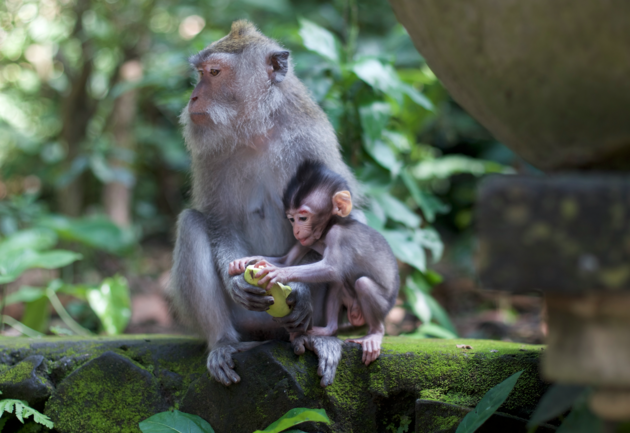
{"points": [[299, 319], [270, 275], [328, 351], [238, 266], [250, 297]]}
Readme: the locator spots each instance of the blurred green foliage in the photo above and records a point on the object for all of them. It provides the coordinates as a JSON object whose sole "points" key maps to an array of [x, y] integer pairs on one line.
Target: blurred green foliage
{"points": [[68, 65]]}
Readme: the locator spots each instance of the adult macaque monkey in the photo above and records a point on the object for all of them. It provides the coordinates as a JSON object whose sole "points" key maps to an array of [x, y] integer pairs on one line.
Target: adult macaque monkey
{"points": [[357, 260], [248, 125]]}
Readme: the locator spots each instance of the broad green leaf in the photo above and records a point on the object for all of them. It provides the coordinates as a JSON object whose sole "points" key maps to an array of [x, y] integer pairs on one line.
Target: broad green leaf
{"points": [[111, 303], [449, 165], [430, 239], [25, 294], [405, 249], [417, 300], [319, 40], [12, 265], [428, 203], [557, 400], [383, 154], [32, 239], [294, 417], [380, 77], [434, 330], [416, 96], [37, 314], [488, 405], [97, 232], [396, 210], [175, 422], [374, 119], [373, 221], [440, 315]]}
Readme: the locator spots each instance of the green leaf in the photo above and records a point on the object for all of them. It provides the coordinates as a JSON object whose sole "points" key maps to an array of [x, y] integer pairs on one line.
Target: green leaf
{"points": [[428, 203], [374, 118], [25, 294], [32, 239], [430, 239], [417, 300], [557, 400], [396, 210], [441, 316], [405, 249], [319, 40], [111, 303], [296, 416], [37, 314], [488, 405], [433, 330], [97, 232], [175, 422], [380, 77], [450, 165], [12, 266], [384, 77], [23, 410]]}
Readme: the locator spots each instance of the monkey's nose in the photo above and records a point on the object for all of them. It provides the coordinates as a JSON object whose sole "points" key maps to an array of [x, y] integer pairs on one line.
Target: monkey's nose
{"points": [[194, 98]]}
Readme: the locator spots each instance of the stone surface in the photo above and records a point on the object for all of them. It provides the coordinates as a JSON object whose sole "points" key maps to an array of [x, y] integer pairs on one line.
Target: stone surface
{"points": [[437, 417], [27, 380], [560, 234], [109, 384], [545, 77]]}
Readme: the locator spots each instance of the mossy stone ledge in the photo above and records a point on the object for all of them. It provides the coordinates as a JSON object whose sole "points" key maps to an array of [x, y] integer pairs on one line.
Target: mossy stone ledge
{"points": [[109, 384]]}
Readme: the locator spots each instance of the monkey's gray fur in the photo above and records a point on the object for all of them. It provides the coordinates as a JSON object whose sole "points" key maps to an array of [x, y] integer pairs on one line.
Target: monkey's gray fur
{"points": [[261, 130]]}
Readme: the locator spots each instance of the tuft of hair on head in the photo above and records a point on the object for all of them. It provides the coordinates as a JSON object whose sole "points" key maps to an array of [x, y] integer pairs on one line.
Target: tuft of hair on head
{"points": [[309, 177], [242, 34]]}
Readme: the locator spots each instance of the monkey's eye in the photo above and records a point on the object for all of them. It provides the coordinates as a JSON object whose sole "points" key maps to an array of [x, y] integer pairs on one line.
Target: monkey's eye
{"points": [[302, 218], [292, 220], [214, 72]]}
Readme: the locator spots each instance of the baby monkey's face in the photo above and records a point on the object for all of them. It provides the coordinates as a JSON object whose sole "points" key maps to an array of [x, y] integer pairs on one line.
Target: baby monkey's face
{"points": [[307, 227]]}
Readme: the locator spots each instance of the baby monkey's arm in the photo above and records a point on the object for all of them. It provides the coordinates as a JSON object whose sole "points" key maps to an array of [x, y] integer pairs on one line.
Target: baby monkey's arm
{"points": [[295, 254]]}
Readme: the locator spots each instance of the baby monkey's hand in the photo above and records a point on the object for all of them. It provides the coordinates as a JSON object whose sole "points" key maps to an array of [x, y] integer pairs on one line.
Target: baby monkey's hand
{"points": [[238, 266]]}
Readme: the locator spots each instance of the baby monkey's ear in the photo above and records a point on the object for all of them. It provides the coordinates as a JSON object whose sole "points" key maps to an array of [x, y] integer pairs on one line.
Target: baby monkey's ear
{"points": [[342, 203]]}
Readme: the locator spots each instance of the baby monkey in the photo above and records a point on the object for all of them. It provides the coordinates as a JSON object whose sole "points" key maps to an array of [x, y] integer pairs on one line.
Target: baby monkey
{"points": [[356, 260]]}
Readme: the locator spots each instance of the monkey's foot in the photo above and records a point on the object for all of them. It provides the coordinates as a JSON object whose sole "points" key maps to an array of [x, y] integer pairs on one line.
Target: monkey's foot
{"points": [[328, 351], [221, 365], [327, 332], [371, 345]]}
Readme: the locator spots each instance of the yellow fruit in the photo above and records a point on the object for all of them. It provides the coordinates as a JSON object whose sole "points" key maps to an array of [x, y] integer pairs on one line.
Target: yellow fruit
{"points": [[279, 292]]}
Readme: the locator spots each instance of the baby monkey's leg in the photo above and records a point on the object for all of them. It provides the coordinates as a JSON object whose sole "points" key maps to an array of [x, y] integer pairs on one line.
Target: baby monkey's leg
{"points": [[373, 308], [333, 304]]}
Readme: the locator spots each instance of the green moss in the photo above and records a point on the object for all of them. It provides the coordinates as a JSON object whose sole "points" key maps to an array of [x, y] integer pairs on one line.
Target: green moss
{"points": [[445, 422], [17, 373], [110, 393]]}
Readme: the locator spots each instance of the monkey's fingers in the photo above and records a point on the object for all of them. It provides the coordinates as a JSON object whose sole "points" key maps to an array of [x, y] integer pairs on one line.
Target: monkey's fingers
{"points": [[299, 344], [220, 366]]}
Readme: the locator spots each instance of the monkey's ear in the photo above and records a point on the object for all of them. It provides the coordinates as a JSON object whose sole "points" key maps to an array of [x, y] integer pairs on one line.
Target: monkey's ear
{"points": [[279, 61], [342, 203]]}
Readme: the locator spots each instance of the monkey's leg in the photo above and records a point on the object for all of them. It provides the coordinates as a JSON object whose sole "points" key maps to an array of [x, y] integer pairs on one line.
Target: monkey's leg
{"points": [[199, 295], [373, 308], [333, 304]]}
